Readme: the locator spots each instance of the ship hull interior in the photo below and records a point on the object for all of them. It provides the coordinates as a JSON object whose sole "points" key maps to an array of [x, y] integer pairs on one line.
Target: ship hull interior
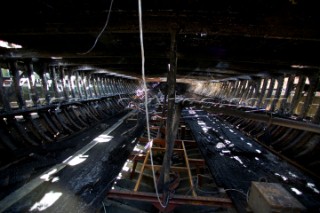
{"points": [[160, 106]]}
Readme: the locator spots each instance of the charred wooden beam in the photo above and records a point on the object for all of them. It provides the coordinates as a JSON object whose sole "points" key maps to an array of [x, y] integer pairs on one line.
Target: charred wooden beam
{"points": [[53, 75], [258, 117], [297, 93], [16, 82], [34, 93], [43, 72], [65, 83], [176, 200], [263, 91], [289, 87], [269, 93], [3, 97], [173, 117], [278, 93], [314, 83]]}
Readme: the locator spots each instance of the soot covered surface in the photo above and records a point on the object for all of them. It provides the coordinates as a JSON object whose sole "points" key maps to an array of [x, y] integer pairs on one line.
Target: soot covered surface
{"points": [[235, 160]]}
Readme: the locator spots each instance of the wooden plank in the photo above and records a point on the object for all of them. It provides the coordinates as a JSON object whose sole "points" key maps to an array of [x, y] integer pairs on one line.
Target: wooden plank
{"points": [[141, 171], [189, 171], [175, 200]]}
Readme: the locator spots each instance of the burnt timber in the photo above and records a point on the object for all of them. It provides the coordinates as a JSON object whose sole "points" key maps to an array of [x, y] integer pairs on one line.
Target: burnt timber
{"points": [[229, 102]]}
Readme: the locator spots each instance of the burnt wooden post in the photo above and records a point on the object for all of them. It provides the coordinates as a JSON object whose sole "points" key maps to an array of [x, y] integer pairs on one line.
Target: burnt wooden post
{"points": [[93, 78], [88, 77], [79, 84], [84, 85], [34, 93], [251, 90], [314, 82], [236, 88], [64, 84], [240, 88], [231, 89], [42, 73], [297, 93], [278, 94], [289, 88], [245, 92], [3, 96], [54, 81], [16, 82], [316, 117], [256, 92], [72, 85], [263, 91], [103, 83], [98, 83], [173, 117], [267, 100]]}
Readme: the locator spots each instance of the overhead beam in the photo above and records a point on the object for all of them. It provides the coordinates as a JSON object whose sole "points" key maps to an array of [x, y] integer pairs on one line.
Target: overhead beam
{"points": [[157, 22]]}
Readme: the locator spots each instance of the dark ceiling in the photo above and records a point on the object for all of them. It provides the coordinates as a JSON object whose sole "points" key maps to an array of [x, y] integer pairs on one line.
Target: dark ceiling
{"points": [[215, 39]]}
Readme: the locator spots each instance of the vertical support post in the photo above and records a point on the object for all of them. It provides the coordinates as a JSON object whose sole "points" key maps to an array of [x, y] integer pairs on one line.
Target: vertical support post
{"points": [[256, 92], [34, 93], [84, 85], [87, 76], [16, 81], [263, 91], [73, 87], [267, 100], [3, 96], [278, 94], [316, 117], [246, 92], [240, 87], [43, 72], [54, 81], [79, 84], [314, 82], [297, 93], [64, 85], [173, 117], [105, 85], [284, 102], [98, 83], [95, 89], [236, 88]]}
